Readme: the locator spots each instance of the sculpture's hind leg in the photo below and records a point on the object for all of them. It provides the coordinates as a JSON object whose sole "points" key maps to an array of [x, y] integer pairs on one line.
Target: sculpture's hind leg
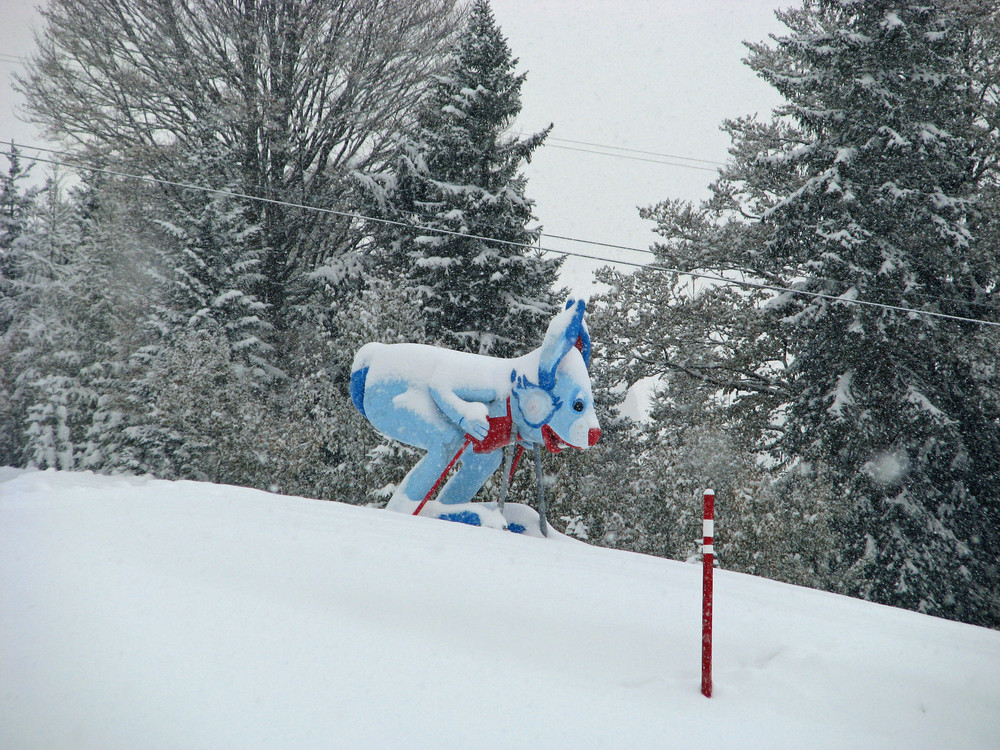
{"points": [[476, 468], [420, 479], [418, 423]]}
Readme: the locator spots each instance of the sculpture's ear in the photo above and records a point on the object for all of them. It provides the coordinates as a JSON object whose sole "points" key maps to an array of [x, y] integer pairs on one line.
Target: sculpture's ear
{"points": [[566, 330]]}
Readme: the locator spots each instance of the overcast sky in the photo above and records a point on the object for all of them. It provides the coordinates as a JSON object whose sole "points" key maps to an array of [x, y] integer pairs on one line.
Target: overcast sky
{"points": [[651, 75]]}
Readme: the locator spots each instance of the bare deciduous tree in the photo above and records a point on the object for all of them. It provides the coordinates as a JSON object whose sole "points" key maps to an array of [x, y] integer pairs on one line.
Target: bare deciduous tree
{"points": [[294, 92]]}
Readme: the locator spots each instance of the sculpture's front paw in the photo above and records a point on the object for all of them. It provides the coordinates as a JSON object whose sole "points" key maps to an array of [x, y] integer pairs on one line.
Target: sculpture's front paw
{"points": [[474, 427]]}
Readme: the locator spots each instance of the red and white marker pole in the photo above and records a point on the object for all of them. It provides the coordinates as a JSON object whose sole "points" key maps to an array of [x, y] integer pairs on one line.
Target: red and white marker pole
{"points": [[708, 558]]}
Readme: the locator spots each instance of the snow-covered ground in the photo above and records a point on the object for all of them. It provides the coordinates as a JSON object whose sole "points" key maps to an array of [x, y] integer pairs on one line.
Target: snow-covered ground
{"points": [[137, 613]]}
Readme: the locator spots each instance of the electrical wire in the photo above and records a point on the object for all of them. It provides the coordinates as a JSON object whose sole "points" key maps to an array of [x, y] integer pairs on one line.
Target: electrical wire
{"points": [[635, 151], [578, 145], [612, 246], [630, 158], [649, 266], [552, 142]]}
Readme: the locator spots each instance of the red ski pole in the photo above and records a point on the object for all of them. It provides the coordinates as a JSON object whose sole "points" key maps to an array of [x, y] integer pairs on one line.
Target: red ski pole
{"points": [[708, 558]]}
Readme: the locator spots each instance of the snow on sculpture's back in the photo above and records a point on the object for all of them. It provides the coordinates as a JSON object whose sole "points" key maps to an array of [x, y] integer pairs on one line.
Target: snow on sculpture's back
{"points": [[442, 401]]}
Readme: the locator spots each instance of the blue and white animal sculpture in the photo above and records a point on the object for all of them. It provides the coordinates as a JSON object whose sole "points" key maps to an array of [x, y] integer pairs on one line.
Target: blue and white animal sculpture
{"points": [[437, 399]]}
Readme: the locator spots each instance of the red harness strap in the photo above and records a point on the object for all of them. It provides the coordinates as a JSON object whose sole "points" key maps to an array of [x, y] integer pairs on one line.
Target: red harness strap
{"points": [[513, 465], [500, 434]]}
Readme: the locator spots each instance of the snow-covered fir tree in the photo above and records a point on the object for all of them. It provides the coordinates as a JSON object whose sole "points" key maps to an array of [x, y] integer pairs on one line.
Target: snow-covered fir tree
{"points": [[15, 198], [212, 268], [44, 357], [16, 203], [181, 411], [16, 211], [889, 399], [201, 274], [456, 173], [863, 187], [72, 306]]}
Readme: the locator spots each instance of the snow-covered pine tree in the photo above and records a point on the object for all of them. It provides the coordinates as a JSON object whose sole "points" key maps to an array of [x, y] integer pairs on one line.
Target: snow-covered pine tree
{"points": [[16, 210], [888, 399], [456, 172], [651, 326], [864, 188], [212, 276], [189, 398], [43, 365], [16, 203], [70, 310], [182, 411]]}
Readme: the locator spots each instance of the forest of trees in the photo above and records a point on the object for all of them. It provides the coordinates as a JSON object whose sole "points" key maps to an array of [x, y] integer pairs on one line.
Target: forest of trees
{"points": [[822, 332]]}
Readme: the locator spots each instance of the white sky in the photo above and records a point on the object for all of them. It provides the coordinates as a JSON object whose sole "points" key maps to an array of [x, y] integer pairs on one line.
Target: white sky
{"points": [[652, 75]]}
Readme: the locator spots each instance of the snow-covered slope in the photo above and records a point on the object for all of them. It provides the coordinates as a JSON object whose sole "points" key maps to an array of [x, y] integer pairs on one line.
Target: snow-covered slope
{"points": [[137, 613]]}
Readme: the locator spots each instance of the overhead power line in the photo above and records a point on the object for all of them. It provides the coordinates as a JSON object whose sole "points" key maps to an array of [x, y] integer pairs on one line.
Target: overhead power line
{"points": [[631, 158], [635, 151], [549, 235], [594, 243]]}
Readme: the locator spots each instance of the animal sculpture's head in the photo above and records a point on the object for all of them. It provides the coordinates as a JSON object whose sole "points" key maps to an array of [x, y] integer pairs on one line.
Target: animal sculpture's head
{"points": [[555, 406]]}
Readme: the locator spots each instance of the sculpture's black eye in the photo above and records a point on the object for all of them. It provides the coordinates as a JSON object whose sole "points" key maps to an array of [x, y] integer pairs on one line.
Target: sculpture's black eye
{"points": [[578, 406]]}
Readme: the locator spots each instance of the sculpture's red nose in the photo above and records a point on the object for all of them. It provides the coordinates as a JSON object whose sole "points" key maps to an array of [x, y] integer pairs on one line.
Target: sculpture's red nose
{"points": [[593, 436]]}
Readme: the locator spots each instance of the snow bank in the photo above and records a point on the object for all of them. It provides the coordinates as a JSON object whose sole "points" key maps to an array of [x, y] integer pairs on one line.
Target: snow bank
{"points": [[146, 614]]}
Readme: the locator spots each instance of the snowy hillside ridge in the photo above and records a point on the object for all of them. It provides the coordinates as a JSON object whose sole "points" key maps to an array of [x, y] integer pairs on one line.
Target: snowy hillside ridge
{"points": [[139, 613]]}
